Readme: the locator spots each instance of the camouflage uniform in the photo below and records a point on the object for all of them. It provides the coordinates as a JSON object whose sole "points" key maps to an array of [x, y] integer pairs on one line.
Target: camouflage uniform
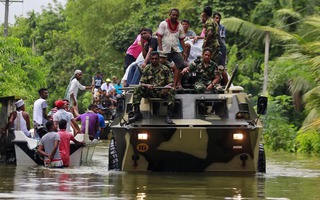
{"points": [[204, 76], [213, 42], [159, 77]]}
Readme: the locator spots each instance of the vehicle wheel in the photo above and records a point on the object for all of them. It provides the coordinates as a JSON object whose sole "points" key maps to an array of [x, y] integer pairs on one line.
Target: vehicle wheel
{"points": [[113, 155], [261, 159]]}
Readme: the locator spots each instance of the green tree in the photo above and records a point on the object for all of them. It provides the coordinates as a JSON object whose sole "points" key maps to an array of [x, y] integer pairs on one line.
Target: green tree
{"points": [[21, 71]]}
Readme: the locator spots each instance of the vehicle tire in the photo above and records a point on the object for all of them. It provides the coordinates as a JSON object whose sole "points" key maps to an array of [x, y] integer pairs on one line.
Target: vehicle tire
{"points": [[261, 159], [113, 155]]}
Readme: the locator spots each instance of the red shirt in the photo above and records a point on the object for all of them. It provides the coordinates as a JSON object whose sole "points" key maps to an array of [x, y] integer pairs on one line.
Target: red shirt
{"points": [[64, 146]]}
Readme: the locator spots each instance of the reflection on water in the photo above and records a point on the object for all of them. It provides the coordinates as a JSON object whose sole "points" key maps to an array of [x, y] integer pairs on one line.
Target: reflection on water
{"points": [[288, 177]]}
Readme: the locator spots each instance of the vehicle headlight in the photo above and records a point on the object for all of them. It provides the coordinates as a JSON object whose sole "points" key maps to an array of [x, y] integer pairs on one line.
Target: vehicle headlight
{"points": [[142, 136], [237, 136]]}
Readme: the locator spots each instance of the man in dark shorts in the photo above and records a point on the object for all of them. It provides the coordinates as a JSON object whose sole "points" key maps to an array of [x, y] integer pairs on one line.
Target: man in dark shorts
{"points": [[170, 33]]}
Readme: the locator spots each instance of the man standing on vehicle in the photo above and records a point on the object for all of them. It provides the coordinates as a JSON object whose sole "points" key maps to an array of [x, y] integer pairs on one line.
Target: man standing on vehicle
{"points": [[211, 38], [170, 33], [155, 75]]}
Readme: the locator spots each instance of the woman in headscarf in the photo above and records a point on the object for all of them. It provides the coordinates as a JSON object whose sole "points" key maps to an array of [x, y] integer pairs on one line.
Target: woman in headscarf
{"points": [[73, 89]]}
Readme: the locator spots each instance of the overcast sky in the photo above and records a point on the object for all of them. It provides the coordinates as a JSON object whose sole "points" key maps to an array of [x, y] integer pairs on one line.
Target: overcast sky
{"points": [[22, 8]]}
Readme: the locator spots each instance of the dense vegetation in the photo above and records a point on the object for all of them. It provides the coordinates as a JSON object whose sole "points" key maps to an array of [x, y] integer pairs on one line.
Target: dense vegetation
{"points": [[45, 48]]}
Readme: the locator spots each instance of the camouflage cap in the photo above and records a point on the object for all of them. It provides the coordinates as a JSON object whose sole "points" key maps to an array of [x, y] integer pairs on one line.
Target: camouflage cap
{"points": [[162, 54]]}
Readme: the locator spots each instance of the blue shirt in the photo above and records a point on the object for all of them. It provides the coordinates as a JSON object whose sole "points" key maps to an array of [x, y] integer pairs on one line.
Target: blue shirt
{"points": [[102, 123], [117, 87]]}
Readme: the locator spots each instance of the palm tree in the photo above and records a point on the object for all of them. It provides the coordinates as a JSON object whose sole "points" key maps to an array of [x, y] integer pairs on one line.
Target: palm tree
{"points": [[302, 51]]}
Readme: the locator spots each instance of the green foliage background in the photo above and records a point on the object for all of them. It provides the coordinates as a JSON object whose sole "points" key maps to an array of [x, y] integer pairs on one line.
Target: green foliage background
{"points": [[45, 48]]}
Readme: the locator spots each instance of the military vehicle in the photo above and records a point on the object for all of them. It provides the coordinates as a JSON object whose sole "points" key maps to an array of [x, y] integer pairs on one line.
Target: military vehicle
{"points": [[211, 133]]}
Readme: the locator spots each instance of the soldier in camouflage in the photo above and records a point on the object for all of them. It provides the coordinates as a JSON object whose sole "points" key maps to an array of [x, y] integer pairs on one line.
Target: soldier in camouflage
{"points": [[154, 75], [207, 72], [211, 38]]}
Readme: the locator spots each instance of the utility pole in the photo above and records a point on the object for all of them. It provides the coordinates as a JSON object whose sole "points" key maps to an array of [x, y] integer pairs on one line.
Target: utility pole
{"points": [[266, 59], [6, 14]]}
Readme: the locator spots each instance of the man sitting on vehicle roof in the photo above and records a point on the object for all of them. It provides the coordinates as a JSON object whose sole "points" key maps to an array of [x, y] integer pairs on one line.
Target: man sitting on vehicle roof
{"points": [[207, 72], [155, 75]]}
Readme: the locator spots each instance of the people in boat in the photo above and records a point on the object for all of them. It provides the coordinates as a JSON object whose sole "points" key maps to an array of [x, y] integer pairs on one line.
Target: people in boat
{"points": [[73, 89], [65, 138], [93, 121], [49, 147], [133, 52], [155, 75], [40, 116], [207, 72], [68, 116], [170, 33], [19, 119]]}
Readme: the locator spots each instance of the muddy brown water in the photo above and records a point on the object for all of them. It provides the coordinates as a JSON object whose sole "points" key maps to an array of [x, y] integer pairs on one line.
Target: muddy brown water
{"points": [[288, 176]]}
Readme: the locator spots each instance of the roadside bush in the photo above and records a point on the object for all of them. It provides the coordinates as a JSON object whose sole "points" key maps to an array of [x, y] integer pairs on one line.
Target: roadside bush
{"points": [[308, 142]]}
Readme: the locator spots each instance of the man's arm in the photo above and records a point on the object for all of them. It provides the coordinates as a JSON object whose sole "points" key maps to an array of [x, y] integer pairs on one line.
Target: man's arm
{"points": [[144, 52], [185, 56], [160, 43], [215, 81], [77, 142], [54, 150], [44, 114], [147, 58], [75, 126], [41, 152], [92, 83], [12, 117], [27, 118]]}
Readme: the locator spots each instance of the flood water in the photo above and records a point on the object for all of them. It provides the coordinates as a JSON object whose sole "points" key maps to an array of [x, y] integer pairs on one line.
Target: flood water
{"points": [[288, 176]]}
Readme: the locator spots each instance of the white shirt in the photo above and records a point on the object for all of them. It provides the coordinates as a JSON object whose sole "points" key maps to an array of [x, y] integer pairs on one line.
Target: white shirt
{"points": [[106, 87], [62, 114], [74, 87], [38, 107], [170, 40], [21, 124]]}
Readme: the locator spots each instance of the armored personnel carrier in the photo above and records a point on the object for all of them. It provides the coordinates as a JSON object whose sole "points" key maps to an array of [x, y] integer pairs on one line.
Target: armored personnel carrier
{"points": [[211, 133]]}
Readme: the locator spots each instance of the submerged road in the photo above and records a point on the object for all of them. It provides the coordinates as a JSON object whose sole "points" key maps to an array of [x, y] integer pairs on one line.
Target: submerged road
{"points": [[288, 176]]}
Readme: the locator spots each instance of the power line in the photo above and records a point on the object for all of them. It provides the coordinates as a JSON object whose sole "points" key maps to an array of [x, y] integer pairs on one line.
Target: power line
{"points": [[6, 13]]}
